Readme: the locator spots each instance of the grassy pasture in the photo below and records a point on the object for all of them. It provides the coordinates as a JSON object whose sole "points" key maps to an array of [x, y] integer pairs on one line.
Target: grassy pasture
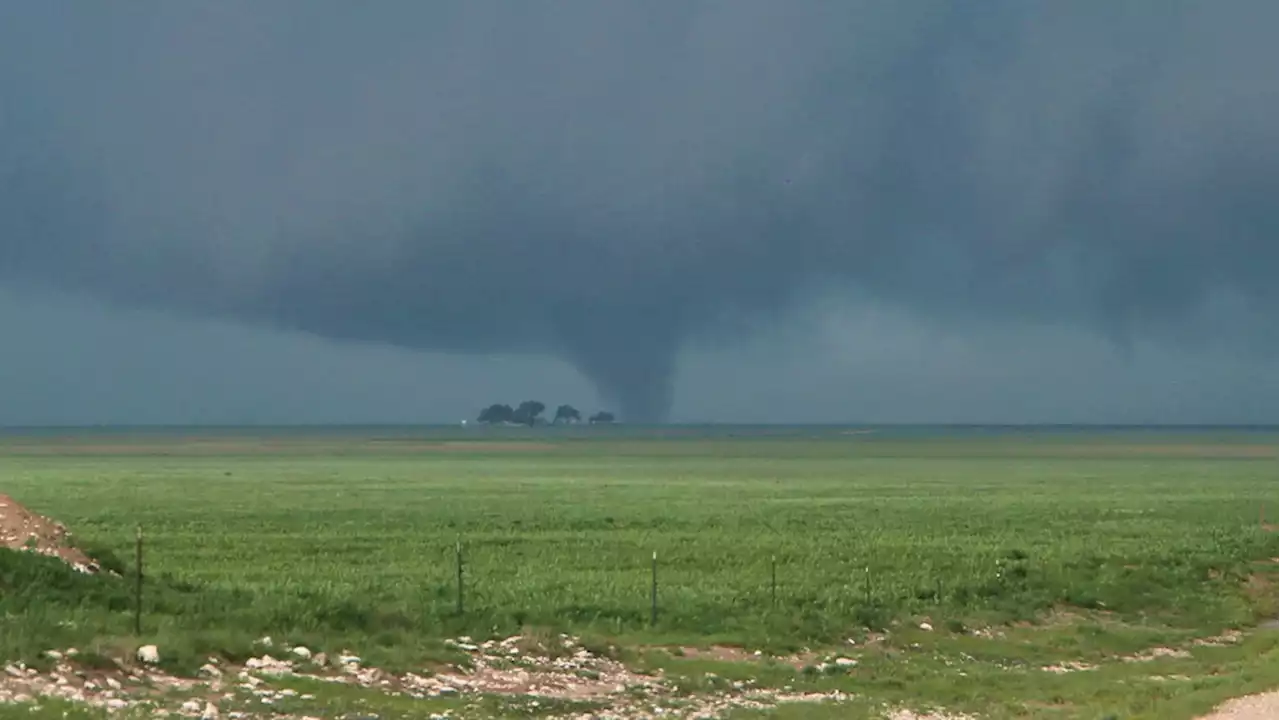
{"points": [[346, 538]]}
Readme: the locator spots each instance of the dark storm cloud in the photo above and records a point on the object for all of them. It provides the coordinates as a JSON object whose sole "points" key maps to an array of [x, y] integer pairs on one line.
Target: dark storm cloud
{"points": [[605, 181]]}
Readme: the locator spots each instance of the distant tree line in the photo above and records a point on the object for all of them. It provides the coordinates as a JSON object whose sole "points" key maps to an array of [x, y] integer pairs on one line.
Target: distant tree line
{"points": [[530, 412]]}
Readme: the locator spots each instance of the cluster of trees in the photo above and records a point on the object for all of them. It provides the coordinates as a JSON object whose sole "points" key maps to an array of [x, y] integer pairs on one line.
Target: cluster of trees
{"points": [[530, 412]]}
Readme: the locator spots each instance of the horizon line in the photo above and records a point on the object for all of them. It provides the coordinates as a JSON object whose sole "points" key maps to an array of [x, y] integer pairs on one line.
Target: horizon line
{"points": [[685, 424]]}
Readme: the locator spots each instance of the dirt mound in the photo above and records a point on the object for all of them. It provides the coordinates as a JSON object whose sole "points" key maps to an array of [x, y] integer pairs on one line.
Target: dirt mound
{"points": [[21, 529]]}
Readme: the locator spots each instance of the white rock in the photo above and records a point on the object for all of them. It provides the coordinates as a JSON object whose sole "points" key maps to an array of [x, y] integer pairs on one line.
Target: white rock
{"points": [[926, 626], [191, 706], [845, 662], [210, 712], [265, 640], [303, 652], [209, 670], [116, 704], [149, 654], [113, 683], [53, 654]]}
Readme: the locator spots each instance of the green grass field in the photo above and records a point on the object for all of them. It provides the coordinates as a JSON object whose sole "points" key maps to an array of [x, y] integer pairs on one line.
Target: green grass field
{"points": [[347, 539]]}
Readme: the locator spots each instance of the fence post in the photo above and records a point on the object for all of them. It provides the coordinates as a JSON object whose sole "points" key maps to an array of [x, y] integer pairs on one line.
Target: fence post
{"points": [[458, 558], [137, 583], [653, 592], [773, 580]]}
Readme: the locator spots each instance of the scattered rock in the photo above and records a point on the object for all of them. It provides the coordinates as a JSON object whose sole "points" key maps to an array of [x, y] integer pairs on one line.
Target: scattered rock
{"points": [[568, 672], [268, 665], [926, 627], [1156, 653], [1229, 637], [302, 652], [929, 715], [1069, 666]]}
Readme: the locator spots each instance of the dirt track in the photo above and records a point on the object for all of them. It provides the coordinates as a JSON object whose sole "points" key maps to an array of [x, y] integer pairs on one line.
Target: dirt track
{"points": [[1265, 706]]}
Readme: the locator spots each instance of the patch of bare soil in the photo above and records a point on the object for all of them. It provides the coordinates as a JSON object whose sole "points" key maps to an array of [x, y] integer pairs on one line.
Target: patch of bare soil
{"points": [[1059, 617], [1156, 653], [930, 715], [21, 529], [1230, 637], [1264, 706], [1069, 666], [727, 653]]}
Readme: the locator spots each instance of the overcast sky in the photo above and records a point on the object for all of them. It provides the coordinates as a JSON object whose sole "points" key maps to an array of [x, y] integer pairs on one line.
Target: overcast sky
{"points": [[726, 211]]}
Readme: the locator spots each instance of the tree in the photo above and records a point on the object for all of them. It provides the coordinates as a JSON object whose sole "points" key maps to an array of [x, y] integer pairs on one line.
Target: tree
{"points": [[496, 413], [567, 413], [601, 417], [528, 411]]}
